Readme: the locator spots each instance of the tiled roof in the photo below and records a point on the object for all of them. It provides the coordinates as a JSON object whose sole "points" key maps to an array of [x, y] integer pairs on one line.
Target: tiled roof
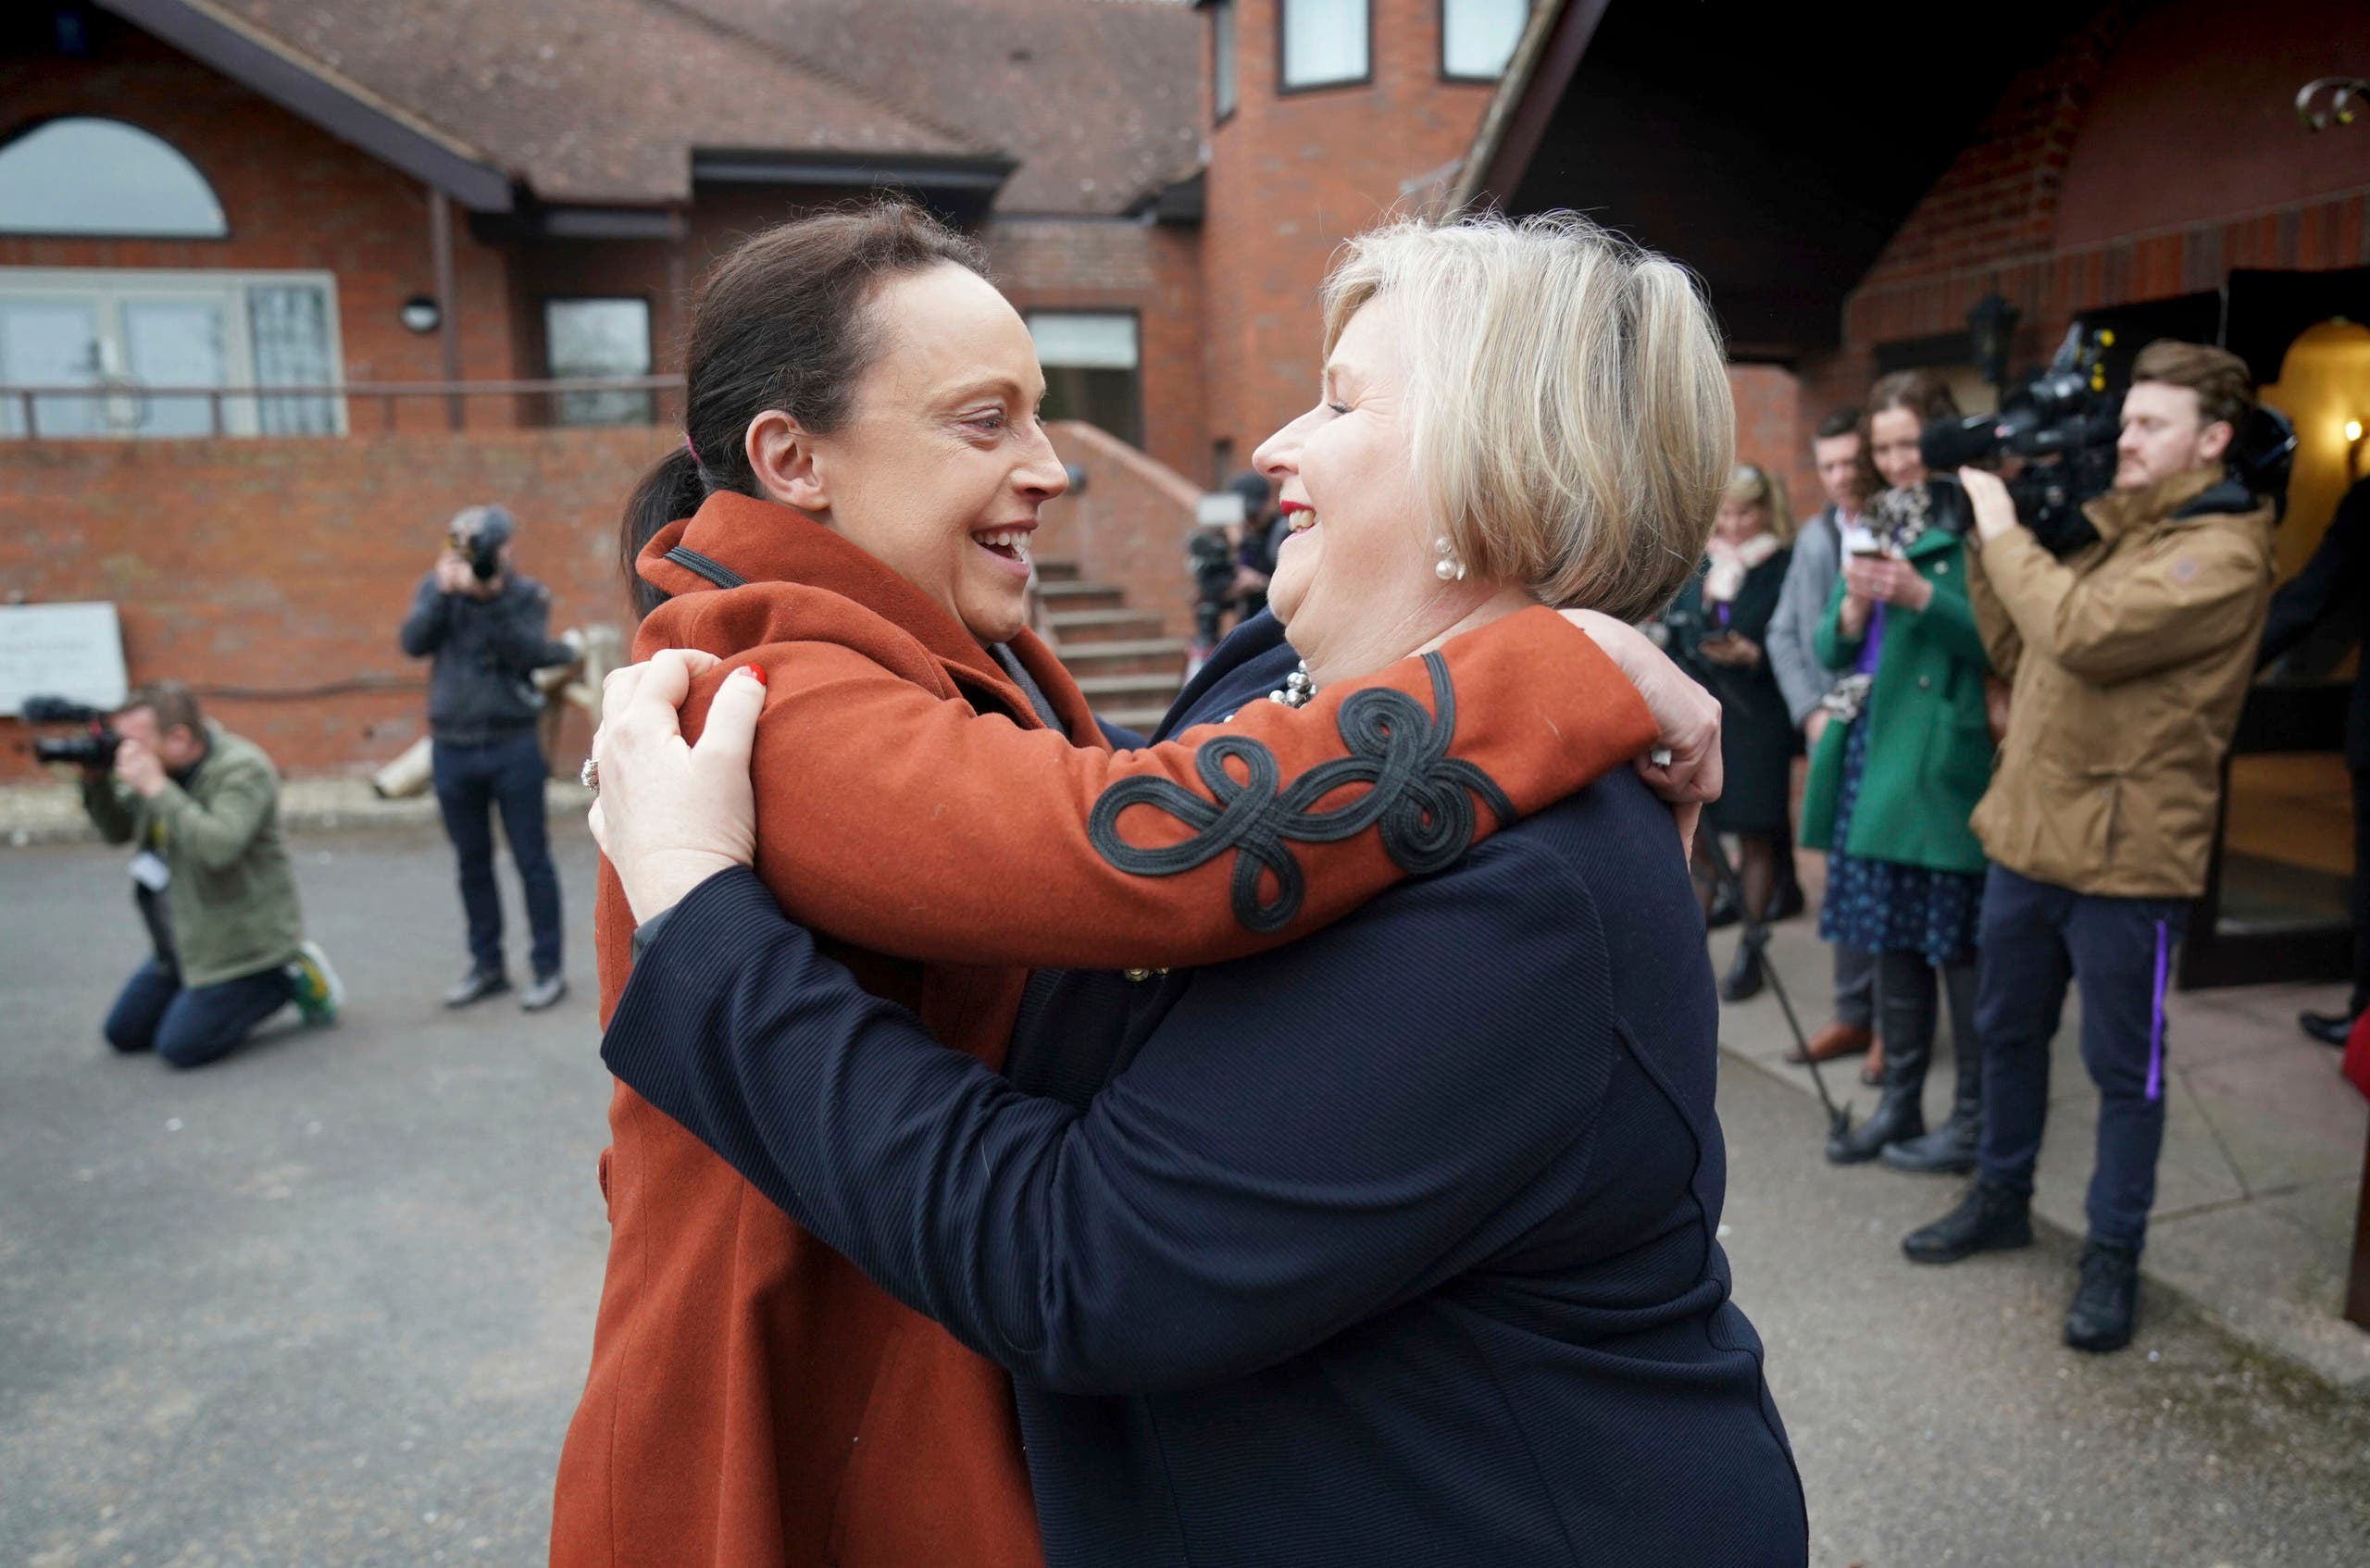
{"points": [[1098, 99], [604, 101], [587, 100]]}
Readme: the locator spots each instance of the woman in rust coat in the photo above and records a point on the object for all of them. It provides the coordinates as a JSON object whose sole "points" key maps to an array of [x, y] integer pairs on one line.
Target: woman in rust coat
{"points": [[850, 515]]}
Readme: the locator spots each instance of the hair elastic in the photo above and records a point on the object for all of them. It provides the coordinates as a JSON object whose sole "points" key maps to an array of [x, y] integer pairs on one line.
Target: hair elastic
{"points": [[692, 450]]}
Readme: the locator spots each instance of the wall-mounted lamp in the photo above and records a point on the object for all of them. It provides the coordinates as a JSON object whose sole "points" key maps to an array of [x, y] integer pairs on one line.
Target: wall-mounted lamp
{"points": [[421, 314], [2353, 449]]}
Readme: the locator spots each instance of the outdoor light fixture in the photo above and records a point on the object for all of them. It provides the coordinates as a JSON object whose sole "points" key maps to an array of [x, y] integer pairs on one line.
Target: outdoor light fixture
{"points": [[421, 314], [1990, 331], [2342, 90], [2353, 449]]}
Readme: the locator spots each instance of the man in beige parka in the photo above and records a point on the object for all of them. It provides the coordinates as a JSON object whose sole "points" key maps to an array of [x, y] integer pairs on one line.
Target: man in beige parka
{"points": [[2131, 659]]}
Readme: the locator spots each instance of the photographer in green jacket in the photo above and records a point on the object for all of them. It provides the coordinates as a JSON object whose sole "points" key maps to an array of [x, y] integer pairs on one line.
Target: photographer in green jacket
{"points": [[212, 880]]}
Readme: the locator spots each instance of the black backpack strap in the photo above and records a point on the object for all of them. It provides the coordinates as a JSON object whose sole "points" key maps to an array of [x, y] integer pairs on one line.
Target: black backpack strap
{"points": [[714, 571]]}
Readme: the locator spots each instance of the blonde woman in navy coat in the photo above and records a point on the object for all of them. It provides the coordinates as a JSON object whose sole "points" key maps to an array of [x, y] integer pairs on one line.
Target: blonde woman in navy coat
{"points": [[1392, 1246]]}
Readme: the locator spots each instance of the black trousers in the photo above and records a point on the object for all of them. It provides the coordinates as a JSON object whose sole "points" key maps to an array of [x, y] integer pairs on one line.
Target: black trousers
{"points": [[2037, 938], [470, 782]]}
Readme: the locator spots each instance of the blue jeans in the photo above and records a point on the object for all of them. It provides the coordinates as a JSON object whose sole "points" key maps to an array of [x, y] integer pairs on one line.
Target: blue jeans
{"points": [[190, 1025], [471, 781], [2037, 937]]}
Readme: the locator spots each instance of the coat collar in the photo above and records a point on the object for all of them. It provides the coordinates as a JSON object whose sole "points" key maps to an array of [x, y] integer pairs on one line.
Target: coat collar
{"points": [[768, 543], [2128, 511]]}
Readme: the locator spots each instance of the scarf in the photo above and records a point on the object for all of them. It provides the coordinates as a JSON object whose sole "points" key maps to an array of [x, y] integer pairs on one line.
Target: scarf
{"points": [[1731, 562]]}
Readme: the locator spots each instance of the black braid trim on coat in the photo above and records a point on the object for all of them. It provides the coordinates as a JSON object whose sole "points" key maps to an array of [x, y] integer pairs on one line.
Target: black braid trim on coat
{"points": [[1421, 798]]}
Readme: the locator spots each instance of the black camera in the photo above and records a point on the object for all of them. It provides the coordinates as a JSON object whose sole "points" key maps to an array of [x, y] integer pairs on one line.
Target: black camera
{"points": [[1210, 559], [477, 535], [95, 748], [2064, 423]]}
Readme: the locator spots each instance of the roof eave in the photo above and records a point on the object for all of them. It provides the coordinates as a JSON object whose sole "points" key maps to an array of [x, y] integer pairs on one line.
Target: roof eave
{"points": [[312, 91], [1544, 58]]}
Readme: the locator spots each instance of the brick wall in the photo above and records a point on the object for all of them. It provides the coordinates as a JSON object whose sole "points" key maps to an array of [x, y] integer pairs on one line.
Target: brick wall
{"points": [[1126, 525], [1292, 176], [1121, 264], [283, 564], [314, 204], [2145, 159]]}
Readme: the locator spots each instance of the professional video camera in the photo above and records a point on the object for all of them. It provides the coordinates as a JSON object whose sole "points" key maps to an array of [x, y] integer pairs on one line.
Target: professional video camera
{"points": [[1209, 557], [95, 748], [2063, 424]]}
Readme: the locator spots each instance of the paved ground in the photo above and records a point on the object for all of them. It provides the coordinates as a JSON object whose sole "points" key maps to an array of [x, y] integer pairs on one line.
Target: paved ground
{"points": [[328, 1302]]}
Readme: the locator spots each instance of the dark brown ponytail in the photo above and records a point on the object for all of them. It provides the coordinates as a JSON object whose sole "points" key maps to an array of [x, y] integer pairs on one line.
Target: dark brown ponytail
{"points": [[781, 323]]}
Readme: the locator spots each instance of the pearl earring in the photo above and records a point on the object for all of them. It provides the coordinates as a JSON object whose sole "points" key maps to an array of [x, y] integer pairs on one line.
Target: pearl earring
{"points": [[1447, 568]]}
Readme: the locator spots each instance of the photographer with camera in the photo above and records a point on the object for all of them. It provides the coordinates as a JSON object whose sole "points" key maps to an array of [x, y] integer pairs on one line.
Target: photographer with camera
{"points": [[212, 880], [2130, 651], [485, 627]]}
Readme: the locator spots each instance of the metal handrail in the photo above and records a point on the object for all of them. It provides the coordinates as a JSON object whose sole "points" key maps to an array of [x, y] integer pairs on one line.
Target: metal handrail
{"points": [[386, 392]]}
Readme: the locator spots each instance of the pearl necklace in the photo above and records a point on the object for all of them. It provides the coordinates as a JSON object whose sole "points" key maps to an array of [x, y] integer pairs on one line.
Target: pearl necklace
{"points": [[1298, 689]]}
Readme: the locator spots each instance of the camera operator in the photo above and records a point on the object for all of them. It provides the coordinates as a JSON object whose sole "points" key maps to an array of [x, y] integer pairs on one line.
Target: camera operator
{"points": [[2130, 658], [212, 880], [485, 627]]}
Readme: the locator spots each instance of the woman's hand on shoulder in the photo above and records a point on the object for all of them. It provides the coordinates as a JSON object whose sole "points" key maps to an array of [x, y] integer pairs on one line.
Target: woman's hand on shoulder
{"points": [[1684, 767], [670, 814]]}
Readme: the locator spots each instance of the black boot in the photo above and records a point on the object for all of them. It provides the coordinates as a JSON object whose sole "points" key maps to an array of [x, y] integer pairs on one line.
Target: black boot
{"points": [[1906, 1007], [1989, 1219], [1743, 980], [2108, 1301], [1950, 1149]]}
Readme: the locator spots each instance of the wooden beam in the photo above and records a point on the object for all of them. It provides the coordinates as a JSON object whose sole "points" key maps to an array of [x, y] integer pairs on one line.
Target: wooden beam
{"points": [[448, 304]]}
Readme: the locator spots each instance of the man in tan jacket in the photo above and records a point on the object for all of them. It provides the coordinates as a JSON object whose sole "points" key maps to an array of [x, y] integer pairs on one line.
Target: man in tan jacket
{"points": [[2130, 658]]}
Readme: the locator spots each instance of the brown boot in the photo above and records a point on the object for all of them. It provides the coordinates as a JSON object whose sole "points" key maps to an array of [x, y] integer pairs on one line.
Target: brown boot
{"points": [[1872, 1071], [1836, 1040]]}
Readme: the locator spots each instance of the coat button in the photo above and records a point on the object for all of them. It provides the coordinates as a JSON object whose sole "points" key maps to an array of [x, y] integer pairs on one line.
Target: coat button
{"points": [[1140, 976], [1925, 683], [1940, 567]]}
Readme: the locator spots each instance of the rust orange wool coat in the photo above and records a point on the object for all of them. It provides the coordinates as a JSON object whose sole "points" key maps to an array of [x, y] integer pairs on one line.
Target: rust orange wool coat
{"points": [[753, 1401]]}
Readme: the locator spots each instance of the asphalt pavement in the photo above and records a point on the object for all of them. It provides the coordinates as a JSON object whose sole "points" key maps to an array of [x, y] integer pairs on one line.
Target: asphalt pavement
{"points": [[329, 1301]]}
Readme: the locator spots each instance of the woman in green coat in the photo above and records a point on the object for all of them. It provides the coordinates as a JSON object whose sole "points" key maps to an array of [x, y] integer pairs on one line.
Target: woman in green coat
{"points": [[1897, 772]]}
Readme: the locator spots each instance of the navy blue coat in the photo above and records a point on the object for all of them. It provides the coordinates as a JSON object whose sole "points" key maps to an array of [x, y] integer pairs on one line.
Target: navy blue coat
{"points": [[1394, 1246]]}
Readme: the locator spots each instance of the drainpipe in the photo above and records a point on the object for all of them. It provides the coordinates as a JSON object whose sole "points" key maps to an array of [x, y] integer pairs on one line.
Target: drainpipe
{"points": [[440, 245]]}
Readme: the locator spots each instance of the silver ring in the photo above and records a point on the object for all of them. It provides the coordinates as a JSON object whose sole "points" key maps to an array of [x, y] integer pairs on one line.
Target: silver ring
{"points": [[1659, 756], [589, 775]]}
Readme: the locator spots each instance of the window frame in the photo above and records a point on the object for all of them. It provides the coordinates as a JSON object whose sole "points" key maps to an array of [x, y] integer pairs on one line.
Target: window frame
{"points": [[1221, 57], [1454, 78], [1284, 89], [1135, 317], [649, 355], [228, 233], [113, 287]]}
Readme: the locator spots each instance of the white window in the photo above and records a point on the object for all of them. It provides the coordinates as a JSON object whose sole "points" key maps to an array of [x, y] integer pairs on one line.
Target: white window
{"points": [[1478, 37], [1091, 373], [1324, 41], [82, 176], [1222, 82], [593, 340], [134, 336]]}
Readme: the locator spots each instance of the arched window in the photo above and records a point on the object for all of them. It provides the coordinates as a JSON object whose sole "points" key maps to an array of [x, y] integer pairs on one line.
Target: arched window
{"points": [[84, 176]]}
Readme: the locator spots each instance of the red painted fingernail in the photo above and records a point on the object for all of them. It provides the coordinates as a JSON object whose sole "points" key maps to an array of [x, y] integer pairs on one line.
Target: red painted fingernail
{"points": [[755, 673]]}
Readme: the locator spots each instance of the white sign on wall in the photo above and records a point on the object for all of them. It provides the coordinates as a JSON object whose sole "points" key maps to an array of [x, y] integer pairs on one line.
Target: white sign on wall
{"points": [[72, 650]]}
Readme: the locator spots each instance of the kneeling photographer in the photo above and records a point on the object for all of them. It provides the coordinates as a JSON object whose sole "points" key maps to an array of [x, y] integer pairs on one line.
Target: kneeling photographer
{"points": [[212, 877], [2130, 639]]}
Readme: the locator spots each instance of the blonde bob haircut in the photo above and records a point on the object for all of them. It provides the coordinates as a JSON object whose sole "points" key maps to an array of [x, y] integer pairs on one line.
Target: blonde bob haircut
{"points": [[1568, 401], [1753, 485]]}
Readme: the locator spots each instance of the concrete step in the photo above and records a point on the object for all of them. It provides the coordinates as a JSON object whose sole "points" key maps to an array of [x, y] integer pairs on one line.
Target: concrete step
{"points": [[1136, 655], [1055, 571], [1068, 596], [1143, 721], [1075, 626], [1160, 686]]}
